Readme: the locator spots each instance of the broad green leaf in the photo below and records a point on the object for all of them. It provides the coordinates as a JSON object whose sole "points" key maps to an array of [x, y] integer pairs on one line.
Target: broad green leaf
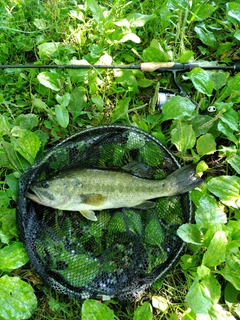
{"points": [[13, 256], [186, 56], [211, 231], [9, 158], [178, 108], [205, 35], [225, 129], [27, 121], [17, 299], [233, 12], [230, 117], [39, 23], [231, 89], [28, 145], [209, 212], [122, 23], [206, 144], [143, 312], [144, 83], [237, 34], [62, 115], [160, 303], [138, 19], [12, 182], [231, 270], [216, 251], [224, 48], [234, 161], [231, 294], [189, 262], [219, 78], [77, 14], [198, 298], [152, 54], [4, 125], [97, 11], [201, 124], [227, 188], [98, 102], [217, 312], [63, 100], [78, 75], [47, 49], [189, 233], [94, 310], [183, 136], [49, 80], [127, 79], [78, 101], [203, 272], [8, 226], [201, 80], [120, 112], [130, 36]]}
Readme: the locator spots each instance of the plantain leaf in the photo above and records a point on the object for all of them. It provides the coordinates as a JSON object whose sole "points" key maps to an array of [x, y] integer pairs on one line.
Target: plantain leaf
{"points": [[94, 310], [27, 121], [227, 188], [28, 145], [139, 20], [97, 11], [216, 251], [206, 144], [49, 80], [143, 312], [205, 35], [189, 233], [209, 212], [203, 294], [62, 115], [231, 270], [152, 54], [201, 80], [183, 136], [17, 299], [13, 256], [178, 108]]}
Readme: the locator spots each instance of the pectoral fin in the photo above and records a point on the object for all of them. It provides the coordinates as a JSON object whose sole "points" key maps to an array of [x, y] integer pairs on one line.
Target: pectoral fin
{"points": [[94, 199], [89, 214], [145, 205]]}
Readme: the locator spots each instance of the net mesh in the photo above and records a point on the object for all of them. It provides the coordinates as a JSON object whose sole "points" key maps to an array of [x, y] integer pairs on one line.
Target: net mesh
{"points": [[123, 252]]}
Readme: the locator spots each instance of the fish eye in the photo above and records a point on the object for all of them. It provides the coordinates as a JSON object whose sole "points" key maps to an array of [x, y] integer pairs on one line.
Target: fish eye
{"points": [[45, 184]]}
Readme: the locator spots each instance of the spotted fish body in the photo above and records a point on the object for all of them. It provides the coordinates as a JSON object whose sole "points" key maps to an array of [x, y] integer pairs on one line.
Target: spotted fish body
{"points": [[89, 190]]}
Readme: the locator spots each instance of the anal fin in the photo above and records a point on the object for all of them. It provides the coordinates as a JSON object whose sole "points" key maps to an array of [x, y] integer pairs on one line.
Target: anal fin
{"points": [[146, 205], [89, 214]]}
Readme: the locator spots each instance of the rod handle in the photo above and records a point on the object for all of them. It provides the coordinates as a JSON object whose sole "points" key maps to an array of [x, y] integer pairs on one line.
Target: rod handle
{"points": [[153, 66]]}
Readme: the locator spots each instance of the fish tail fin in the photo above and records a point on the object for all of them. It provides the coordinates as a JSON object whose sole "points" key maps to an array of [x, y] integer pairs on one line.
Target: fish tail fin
{"points": [[185, 179]]}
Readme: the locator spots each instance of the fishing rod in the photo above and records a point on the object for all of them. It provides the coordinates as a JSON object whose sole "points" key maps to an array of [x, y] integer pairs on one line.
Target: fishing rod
{"points": [[160, 67], [146, 66]]}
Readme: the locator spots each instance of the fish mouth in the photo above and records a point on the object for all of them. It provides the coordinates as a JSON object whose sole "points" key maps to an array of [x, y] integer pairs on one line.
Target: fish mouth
{"points": [[33, 196]]}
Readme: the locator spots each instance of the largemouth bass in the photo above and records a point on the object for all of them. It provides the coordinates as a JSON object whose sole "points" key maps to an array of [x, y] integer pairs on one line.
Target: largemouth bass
{"points": [[89, 190]]}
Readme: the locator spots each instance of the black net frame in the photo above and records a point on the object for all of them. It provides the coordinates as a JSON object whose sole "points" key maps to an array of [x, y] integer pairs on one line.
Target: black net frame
{"points": [[127, 250]]}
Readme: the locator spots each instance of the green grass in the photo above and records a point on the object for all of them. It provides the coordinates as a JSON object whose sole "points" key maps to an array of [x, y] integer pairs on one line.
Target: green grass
{"points": [[39, 108]]}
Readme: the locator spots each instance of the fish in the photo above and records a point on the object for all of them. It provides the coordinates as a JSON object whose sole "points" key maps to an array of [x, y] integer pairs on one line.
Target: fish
{"points": [[92, 189]]}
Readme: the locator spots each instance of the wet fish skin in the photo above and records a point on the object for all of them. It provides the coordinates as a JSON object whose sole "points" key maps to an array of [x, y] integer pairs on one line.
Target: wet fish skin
{"points": [[89, 190]]}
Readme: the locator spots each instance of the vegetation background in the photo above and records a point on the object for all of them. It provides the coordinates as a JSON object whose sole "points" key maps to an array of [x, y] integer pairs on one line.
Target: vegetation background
{"points": [[38, 108]]}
